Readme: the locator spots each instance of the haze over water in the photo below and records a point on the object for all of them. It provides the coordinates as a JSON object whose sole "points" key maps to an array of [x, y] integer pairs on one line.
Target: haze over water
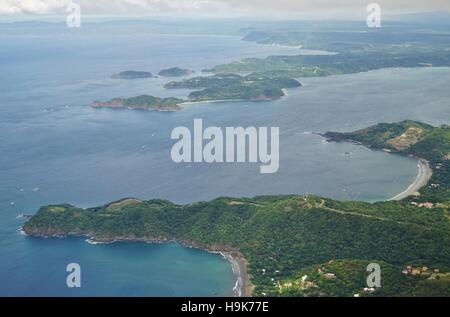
{"points": [[56, 149]]}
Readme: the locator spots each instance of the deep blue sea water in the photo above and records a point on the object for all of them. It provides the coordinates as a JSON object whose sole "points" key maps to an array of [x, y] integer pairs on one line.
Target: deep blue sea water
{"points": [[54, 148]]}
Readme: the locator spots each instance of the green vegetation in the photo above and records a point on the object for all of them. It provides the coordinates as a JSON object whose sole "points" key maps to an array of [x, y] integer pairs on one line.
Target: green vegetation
{"points": [[142, 102], [357, 51], [348, 278], [130, 74], [235, 87], [325, 65], [301, 245], [175, 72], [285, 238], [416, 139], [280, 236], [218, 87], [359, 40]]}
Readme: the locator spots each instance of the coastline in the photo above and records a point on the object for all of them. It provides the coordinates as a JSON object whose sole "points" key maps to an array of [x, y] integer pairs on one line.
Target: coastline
{"points": [[182, 105], [239, 264], [422, 179], [424, 170], [242, 287], [188, 103]]}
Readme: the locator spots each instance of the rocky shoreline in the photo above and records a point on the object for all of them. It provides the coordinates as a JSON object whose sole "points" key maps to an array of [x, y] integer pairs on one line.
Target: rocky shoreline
{"points": [[242, 288]]}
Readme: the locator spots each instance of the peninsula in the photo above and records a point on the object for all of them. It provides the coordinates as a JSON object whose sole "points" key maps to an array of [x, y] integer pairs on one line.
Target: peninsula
{"points": [[300, 245], [430, 145], [354, 52]]}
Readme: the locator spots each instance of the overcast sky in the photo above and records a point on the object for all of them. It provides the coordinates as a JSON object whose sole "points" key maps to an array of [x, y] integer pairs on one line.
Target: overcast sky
{"points": [[217, 7]]}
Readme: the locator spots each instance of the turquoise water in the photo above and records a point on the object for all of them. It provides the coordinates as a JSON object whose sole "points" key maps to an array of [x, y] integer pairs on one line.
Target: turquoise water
{"points": [[56, 149], [118, 269]]}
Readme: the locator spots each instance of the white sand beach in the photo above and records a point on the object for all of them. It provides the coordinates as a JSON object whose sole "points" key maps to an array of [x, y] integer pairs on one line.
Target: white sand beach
{"points": [[421, 180]]}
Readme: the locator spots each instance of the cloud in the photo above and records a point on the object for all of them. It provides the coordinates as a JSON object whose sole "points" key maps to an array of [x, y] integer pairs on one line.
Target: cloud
{"points": [[212, 7], [107, 6], [8, 7]]}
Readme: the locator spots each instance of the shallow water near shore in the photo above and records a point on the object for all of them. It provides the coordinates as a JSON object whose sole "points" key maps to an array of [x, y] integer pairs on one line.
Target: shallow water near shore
{"points": [[57, 149]]}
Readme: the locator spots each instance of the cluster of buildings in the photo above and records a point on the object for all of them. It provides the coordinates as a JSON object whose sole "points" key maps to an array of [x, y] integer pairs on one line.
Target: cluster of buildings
{"points": [[417, 271]]}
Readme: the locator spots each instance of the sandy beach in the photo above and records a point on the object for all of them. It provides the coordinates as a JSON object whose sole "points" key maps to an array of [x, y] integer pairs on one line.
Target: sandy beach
{"points": [[421, 180], [242, 287], [191, 103]]}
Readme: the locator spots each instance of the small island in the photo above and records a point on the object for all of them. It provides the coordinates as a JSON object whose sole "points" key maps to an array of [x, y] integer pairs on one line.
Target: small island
{"points": [[131, 74], [300, 245], [143, 102], [175, 72], [224, 87], [235, 87]]}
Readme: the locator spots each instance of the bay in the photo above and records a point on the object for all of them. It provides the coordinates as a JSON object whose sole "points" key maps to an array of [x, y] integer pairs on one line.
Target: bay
{"points": [[56, 149]]}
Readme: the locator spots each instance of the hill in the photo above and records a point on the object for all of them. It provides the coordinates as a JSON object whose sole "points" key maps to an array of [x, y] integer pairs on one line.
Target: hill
{"points": [[284, 238]]}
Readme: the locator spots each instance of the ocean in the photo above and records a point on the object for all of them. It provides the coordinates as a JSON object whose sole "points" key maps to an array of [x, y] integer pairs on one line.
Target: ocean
{"points": [[56, 149]]}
